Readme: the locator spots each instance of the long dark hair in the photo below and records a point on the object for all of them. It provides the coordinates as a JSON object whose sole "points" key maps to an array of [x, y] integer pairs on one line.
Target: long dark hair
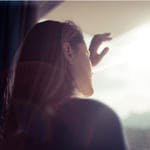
{"points": [[42, 73]]}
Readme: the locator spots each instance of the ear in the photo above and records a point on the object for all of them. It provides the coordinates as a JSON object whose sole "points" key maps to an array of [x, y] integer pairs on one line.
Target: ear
{"points": [[68, 52]]}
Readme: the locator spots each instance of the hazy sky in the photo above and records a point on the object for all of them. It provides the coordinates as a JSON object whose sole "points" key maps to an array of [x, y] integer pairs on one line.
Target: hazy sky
{"points": [[123, 77]]}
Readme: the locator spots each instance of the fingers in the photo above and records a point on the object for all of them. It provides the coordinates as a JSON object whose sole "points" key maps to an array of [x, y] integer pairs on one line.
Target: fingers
{"points": [[95, 59], [97, 40], [103, 37], [103, 53]]}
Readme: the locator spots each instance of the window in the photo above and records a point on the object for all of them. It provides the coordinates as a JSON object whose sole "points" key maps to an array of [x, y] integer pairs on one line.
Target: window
{"points": [[122, 80]]}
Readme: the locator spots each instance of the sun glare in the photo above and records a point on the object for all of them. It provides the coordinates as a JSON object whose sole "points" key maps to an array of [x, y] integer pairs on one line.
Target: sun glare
{"points": [[122, 79]]}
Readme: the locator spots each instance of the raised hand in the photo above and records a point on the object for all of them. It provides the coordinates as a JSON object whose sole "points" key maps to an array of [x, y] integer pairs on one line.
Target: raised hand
{"points": [[96, 41]]}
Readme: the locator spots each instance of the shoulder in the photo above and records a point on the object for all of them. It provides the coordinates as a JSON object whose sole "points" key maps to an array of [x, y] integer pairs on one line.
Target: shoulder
{"points": [[89, 113], [89, 107], [90, 120]]}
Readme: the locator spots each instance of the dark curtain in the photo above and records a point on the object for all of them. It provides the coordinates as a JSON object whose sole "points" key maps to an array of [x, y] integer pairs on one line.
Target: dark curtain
{"points": [[16, 18]]}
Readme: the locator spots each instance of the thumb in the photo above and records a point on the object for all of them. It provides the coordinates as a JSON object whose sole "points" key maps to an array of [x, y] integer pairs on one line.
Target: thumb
{"points": [[103, 53]]}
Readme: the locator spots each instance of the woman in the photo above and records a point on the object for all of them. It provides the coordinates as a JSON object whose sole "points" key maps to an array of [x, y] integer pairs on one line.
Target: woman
{"points": [[53, 68]]}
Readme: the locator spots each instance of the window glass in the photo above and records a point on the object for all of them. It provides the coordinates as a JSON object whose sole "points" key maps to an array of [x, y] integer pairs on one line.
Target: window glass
{"points": [[122, 81]]}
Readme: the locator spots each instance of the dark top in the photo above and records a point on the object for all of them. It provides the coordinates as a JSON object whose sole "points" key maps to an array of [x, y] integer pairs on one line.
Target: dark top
{"points": [[88, 125], [80, 124]]}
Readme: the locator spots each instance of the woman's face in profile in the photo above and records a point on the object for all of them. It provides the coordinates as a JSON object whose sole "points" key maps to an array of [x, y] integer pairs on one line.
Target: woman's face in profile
{"points": [[82, 70]]}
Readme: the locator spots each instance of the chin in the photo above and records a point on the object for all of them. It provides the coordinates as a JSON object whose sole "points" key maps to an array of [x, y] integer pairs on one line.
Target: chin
{"points": [[87, 92], [85, 88]]}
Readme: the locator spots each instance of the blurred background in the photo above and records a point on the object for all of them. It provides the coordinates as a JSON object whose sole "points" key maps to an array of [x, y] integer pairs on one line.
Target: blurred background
{"points": [[122, 79]]}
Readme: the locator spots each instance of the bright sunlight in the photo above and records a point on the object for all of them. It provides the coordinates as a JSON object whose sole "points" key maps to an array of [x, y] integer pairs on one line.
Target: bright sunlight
{"points": [[122, 79]]}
